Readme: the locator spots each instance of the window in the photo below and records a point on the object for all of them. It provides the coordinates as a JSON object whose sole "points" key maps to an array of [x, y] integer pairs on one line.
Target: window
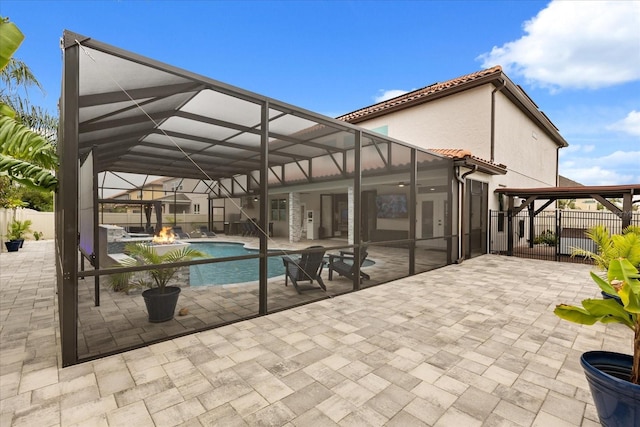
{"points": [[384, 130], [279, 210], [196, 208], [176, 186]]}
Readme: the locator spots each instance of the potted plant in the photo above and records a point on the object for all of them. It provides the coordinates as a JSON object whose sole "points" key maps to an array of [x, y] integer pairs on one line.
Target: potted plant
{"points": [[612, 377], [12, 245], [625, 245], [160, 299], [16, 231], [609, 247]]}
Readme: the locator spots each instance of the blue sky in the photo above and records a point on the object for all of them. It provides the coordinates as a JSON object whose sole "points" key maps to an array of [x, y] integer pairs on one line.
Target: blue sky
{"points": [[578, 60]]}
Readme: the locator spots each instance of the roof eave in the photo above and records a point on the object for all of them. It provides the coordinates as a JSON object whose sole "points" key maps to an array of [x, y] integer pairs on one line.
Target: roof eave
{"points": [[427, 98], [524, 102], [498, 79], [481, 166], [573, 192]]}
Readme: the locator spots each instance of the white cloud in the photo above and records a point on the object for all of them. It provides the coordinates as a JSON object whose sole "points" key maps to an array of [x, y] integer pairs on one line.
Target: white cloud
{"points": [[630, 124], [572, 44], [596, 175], [574, 149], [622, 158], [617, 168], [383, 95]]}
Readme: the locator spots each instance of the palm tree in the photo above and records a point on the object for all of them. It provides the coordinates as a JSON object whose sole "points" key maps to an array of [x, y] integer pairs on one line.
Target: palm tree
{"points": [[27, 134]]}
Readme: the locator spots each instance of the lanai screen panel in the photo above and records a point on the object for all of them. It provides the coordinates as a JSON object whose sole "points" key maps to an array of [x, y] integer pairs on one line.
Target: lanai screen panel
{"points": [[141, 116], [143, 120], [86, 208]]}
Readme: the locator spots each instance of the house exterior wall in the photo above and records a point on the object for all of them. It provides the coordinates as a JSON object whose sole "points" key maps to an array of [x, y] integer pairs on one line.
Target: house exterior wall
{"points": [[528, 152], [463, 120]]}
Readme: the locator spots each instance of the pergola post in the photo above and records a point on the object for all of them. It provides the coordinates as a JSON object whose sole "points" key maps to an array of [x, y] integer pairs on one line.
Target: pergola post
{"points": [[627, 212]]}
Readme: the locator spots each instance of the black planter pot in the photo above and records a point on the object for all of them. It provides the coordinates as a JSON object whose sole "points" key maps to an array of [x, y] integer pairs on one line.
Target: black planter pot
{"points": [[21, 242], [12, 245], [161, 306], [609, 296], [617, 400]]}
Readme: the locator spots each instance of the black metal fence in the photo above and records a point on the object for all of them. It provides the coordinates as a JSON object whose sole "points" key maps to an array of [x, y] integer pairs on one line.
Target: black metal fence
{"points": [[550, 235]]}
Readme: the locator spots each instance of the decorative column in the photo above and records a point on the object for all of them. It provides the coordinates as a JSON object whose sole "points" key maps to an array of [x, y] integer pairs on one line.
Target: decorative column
{"points": [[295, 227]]}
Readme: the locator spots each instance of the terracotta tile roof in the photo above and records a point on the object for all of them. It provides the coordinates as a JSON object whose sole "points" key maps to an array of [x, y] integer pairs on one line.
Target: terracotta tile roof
{"points": [[419, 94], [462, 154], [454, 153]]}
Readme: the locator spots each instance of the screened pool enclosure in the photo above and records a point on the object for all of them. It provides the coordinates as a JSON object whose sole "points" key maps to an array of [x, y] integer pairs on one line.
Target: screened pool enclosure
{"points": [[274, 177]]}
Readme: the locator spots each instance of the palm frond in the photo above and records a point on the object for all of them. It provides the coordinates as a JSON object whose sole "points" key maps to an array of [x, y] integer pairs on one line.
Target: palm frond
{"points": [[17, 74], [20, 142], [28, 174], [146, 254], [10, 39]]}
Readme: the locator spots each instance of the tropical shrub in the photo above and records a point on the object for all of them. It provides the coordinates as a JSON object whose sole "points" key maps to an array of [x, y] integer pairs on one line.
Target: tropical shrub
{"points": [[546, 238], [625, 245], [146, 254], [621, 281], [17, 229]]}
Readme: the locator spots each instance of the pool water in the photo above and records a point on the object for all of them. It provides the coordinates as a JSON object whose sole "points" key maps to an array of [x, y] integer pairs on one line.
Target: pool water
{"points": [[223, 273], [246, 270]]}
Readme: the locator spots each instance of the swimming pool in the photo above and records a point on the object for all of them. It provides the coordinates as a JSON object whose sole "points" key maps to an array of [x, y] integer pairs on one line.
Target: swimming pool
{"points": [[224, 273]]}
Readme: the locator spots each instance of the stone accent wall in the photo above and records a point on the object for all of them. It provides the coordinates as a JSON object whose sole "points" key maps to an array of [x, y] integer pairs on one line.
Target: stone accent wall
{"points": [[295, 229]]}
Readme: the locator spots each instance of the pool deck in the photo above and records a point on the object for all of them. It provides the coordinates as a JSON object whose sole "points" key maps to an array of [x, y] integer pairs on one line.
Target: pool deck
{"points": [[474, 344]]}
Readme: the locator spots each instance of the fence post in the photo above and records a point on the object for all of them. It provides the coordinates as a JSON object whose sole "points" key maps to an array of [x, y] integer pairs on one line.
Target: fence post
{"points": [[532, 231], [558, 231]]}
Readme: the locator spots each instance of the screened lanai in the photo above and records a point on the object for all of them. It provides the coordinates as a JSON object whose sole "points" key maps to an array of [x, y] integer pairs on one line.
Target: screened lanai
{"points": [[136, 129]]}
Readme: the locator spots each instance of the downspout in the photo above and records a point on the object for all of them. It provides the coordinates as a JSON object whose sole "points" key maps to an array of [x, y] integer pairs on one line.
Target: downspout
{"points": [[558, 166], [493, 118], [461, 222]]}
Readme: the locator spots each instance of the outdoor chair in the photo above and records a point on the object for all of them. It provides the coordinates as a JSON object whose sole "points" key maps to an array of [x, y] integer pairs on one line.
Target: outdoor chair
{"points": [[180, 234], [246, 228], [306, 268], [344, 264], [250, 228], [206, 232]]}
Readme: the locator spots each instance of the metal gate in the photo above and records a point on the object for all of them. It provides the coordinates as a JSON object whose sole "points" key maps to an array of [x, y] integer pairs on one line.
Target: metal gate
{"points": [[550, 235]]}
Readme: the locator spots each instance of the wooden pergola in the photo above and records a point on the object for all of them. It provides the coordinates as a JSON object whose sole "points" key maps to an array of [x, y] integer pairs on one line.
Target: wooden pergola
{"points": [[550, 194]]}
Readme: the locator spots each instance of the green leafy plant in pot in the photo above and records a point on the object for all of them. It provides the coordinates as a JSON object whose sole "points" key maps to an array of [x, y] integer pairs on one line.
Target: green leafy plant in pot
{"points": [[610, 247], [17, 229], [160, 299], [625, 245], [613, 378]]}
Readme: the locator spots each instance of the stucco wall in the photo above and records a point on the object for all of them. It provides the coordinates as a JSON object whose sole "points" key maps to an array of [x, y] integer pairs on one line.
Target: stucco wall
{"points": [[42, 222], [462, 120], [528, 152]]}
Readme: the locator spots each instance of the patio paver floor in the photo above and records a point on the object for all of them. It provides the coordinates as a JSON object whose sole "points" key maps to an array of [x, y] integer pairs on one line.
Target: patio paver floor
{"points": [[469, 344]]}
